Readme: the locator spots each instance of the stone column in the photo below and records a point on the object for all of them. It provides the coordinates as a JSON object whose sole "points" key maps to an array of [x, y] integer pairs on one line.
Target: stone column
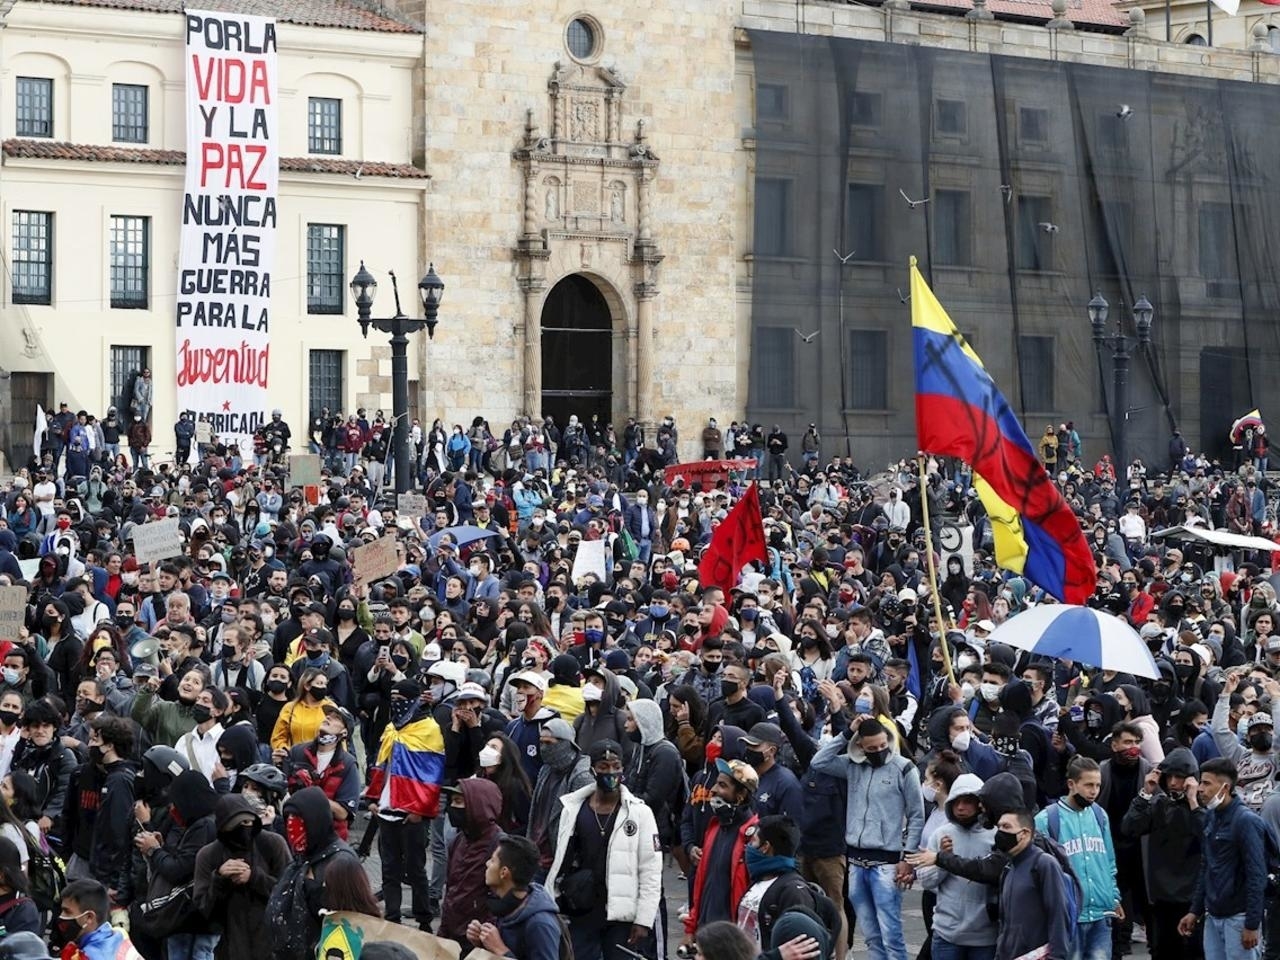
{"points": [[645, 292], [643, 220], [532, 397]]}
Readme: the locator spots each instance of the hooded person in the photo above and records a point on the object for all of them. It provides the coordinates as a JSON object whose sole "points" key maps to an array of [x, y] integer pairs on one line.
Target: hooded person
{"points": [[601, 719], [1033, 737], [1090, 736], [234, 877], [1169, 822], [293, 910], [237, 750], [475, 806], [564, 769], [960, 918], [1166, 702], [655, 772], [950, 728], [796, 923], [1137, 707], [564, 689]]}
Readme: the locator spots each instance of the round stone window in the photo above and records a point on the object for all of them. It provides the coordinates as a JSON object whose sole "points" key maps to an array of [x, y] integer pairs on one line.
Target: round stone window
{"points": [[583, 38]]}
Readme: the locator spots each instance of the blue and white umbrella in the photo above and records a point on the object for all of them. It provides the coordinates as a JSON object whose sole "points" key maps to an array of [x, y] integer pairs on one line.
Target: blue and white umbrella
{"points": [[1080, 634]]}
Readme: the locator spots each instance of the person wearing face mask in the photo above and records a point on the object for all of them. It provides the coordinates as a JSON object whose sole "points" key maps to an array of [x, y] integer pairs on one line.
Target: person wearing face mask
{"points": [[84, 915], [734, 706], [961, 925], [655, 771], [1256, 759], [564, 769], [234, 876], [776, 886], [318, 646], [1169, 819], [641, 523], [238, 750], [525, 727], [200, 745], [1230, 890], [950, 728], [885, 818], [1082, 827], [100, 805], [779, 791], [293, 908], [10, 728], [526, 921], [236, 666], [1033, 894], [602, 719], [475, 805], [404, 793], [300, 718], [607, 869]]}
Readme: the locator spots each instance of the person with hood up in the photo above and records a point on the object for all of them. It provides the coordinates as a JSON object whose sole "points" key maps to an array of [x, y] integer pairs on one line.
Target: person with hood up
{"points": [[602, 719], [171, 859], [237, 752], [404, 793], [564, 769], [564, 690], [234, 877], [293, 909], [1090, 735], [802, 933], [1166, 816], [1134, 702], [962, 930], [528, 922], [475, 805], [655, 772]]}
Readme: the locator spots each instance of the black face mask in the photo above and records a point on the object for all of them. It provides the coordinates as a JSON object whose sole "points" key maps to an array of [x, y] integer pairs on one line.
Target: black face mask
{"points": [[710, 666], [878, 758], [1184, 671], [124, 622], [240, 838], [1082, 802], [95, 756], [458, 817], [753, 757], [345, 614], [275, 686], [1160, 691], [9, 717], [228, 651], [728, 688], [727, 813], [635, 735], [1005, 841], [689, 629], [200, 713]]}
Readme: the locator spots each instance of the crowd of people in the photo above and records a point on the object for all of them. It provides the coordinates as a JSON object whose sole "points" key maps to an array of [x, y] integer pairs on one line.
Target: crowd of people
{"points": [[196, 753]]}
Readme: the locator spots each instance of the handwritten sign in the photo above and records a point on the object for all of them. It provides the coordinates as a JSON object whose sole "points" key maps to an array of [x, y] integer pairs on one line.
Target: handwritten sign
{"points": [[13, 608], [344, 934], [411, 505], [374, 560], [204, 431], [157, 540], [590, 558], [304, 469], [229, 217]]}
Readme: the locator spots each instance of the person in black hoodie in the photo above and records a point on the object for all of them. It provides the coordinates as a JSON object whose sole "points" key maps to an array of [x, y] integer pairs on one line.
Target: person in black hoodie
{"points": [[293, 910], [171, 859], [237, 751], [234, 877], [1167, 818], [110, 745], [41, 754], [1091, 736]]}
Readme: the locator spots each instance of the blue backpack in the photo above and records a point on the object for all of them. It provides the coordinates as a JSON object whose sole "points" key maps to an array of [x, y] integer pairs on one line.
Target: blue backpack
{"points": [[1074, 888]]}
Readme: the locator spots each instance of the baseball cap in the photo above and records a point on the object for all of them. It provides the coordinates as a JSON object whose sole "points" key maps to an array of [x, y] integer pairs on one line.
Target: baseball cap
{"points": [[472, 691], [531, 677], [986, 625], [559, 729], [605, 749], [318, 635], [1261, 719], [741, 773], [330, 709], [907, 594], [763, 732]]}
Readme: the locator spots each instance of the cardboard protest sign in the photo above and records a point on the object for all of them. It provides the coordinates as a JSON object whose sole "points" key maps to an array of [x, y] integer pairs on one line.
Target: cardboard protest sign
{"points": [[374, 560], [411, 505], [343, 935], [157, 540], [13, 607], [304, 469]]}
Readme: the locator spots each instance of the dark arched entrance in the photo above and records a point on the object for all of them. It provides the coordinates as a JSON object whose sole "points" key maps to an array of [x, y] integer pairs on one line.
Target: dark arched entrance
{"points": [[577, 352]]}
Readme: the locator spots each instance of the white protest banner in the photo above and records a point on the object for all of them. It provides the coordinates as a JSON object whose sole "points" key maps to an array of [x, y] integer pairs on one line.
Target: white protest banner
{"points": [[228, 239], [13, 609], [304, 469], [157, 540], [590, 558], [411, 505], [29, 568], [374, 560]]}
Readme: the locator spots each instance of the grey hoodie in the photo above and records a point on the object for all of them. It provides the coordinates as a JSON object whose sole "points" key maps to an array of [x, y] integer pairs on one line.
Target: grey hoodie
{"points": [[656, 769], [607, 723], [960, 917], [885, 802]]}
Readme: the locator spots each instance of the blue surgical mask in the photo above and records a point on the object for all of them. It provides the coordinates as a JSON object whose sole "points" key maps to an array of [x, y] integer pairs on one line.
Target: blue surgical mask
{"points": [[658, 610], [593, 636]]}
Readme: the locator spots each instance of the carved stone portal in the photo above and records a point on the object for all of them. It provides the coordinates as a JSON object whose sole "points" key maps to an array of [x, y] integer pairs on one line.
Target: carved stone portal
{"points": [[592, 190]]}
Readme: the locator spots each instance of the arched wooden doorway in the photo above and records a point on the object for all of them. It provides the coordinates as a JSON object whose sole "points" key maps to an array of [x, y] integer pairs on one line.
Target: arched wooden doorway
{"points": [[577, 352]]}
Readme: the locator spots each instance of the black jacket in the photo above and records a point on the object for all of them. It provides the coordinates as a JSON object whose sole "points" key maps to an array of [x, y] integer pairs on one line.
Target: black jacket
{"points": [[192, 827], [1170, 833]]}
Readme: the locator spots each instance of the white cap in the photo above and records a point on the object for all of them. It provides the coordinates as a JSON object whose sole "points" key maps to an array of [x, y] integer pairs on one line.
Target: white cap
{"points": [[471, 691], [455, 673], [531, 677], [906, 593], [986, 625]]}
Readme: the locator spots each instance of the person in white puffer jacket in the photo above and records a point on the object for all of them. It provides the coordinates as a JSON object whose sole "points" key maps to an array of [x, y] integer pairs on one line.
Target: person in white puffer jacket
{"points": [[607, 872]]}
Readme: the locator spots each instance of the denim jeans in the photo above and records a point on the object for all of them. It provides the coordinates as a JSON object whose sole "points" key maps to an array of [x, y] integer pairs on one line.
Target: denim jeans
{"points": [[1222, 939], [942, 950], [191, 946], [1093, 941], [877, 903]]}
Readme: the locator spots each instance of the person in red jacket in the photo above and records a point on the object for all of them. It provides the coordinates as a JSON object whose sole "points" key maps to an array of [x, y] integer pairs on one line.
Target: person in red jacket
{"points": [[475, 805], [724, 848]]}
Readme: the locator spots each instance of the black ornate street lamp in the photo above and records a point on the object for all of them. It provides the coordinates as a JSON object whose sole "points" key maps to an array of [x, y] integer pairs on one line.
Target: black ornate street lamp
{"points": [[1121, 352], [430, 291]]}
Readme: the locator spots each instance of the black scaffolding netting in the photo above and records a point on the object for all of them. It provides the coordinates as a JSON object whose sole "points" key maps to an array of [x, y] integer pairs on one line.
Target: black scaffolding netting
{"points": [[1046, 183]]}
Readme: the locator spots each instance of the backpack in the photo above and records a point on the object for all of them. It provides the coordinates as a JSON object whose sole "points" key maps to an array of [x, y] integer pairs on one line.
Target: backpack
{"points": [[823, 909], [45, 873], [1074, 888]]}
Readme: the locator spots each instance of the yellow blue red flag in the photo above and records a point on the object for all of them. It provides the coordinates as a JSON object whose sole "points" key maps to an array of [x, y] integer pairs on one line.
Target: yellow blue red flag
{"points": [[961, 413]]}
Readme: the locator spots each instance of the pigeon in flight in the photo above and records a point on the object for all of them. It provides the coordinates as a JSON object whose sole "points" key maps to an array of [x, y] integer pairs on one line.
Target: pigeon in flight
{"points": [[1125, 111], [1048, 227], [807, 338], [912, 203]]}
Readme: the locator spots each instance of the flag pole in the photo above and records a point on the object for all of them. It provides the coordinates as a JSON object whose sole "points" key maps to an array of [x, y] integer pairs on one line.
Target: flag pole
{"points": [[933, 571]]}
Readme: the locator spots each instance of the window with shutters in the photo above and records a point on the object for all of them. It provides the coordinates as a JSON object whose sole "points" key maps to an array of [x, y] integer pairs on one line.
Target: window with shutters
{"points": [[325, 256], [32, 266], [869, 370], [130, 262]]}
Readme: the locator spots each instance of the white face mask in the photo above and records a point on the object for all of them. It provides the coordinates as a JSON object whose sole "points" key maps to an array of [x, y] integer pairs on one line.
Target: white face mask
{"points": [[965, 661], [1216, 802], [962, 740], [929, 793], [591, 693], [489, 757], [833, 631], [990, 691], [966, 691], [522, 701]]}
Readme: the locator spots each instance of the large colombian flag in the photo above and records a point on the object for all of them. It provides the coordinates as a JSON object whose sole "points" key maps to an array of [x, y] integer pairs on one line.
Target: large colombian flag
{"points": [[412, 757], [961, 413]]}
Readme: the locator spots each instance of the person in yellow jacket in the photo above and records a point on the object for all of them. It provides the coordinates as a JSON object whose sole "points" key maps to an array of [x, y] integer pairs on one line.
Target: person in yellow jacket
{"points": [[299, 719], [564, 690]]}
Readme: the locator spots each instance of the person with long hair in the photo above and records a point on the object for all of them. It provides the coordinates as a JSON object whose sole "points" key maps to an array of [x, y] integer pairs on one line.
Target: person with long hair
{"points": [[104, 636], [813, 650], [300, 718], [500, 762], [62, 647], [24, 833], [18, 912], [346, 887], [684, 720]]}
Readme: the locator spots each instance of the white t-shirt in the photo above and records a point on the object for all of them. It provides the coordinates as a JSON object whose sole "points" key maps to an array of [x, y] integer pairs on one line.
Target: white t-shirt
{"points": [[10, 833], [46, 489]]}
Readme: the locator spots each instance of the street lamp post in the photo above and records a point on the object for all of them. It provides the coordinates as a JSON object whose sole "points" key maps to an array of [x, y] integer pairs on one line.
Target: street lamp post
{"points": [[430, 291], [1121, 353]]}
